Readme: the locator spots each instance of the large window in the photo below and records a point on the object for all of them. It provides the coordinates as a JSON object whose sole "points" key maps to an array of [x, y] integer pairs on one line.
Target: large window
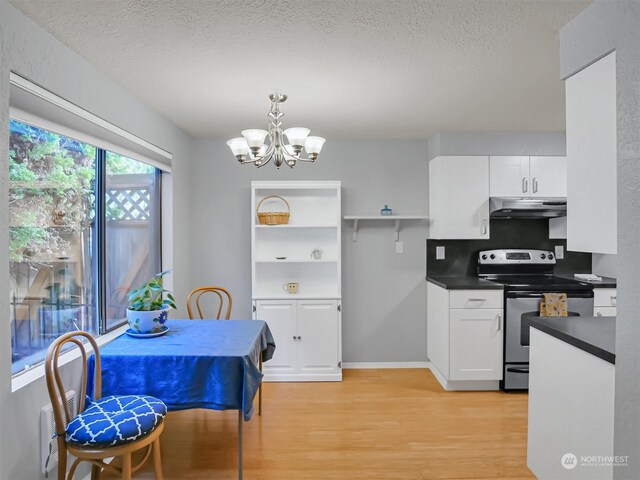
{"points": [[84, 227]]}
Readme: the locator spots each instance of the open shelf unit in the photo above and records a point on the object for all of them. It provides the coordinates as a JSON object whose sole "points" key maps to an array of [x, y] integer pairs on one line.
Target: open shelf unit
{"points": [[306, 325]]}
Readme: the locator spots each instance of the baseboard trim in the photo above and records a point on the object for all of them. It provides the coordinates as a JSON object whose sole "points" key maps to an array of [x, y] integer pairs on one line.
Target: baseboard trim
{"points": [[370, 365], [464, 385]]}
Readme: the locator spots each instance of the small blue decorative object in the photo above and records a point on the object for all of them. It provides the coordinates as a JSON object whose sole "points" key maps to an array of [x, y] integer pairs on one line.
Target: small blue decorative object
{"points": [[386, 210]]}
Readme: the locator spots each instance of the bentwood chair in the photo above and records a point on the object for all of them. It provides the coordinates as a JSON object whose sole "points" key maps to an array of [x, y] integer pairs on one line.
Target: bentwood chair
{"points": [[223, 297], [113, 426]]}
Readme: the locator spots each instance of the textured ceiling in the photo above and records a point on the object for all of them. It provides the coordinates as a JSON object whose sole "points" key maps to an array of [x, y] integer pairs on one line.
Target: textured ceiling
{"points": [[352, 69]]}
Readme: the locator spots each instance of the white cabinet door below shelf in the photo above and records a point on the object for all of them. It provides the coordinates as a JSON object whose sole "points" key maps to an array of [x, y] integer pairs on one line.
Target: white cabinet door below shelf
{"points": [[509, 176], [476, 344], [548, 177], [281, 318], [318, 351]]}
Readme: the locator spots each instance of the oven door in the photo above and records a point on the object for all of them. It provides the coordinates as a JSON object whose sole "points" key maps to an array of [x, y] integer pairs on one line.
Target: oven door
{"points": [[520, 308]]}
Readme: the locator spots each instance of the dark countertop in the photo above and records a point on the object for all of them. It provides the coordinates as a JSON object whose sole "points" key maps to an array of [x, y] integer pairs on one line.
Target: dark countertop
{"points": [[607, 282], [594, 335], [463, 282]]}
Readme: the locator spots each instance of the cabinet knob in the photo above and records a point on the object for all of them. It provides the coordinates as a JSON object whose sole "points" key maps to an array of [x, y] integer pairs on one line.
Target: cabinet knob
{"points": [[294, 337]]}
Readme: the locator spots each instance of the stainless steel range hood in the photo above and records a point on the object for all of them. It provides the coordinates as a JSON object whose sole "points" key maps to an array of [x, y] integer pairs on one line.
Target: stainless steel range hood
{"points": [[527, 207]]}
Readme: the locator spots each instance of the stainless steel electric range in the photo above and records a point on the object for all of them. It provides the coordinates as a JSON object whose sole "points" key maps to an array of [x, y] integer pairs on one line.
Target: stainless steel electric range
{"points": [[526, 275]]}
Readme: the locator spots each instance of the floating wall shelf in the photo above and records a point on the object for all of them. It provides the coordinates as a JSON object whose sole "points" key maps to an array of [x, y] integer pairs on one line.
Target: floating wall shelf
{"points": [[396, 219]]}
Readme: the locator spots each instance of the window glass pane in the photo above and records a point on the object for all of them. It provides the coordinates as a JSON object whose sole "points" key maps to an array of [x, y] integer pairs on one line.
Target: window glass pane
{"points": [[51, 228], [133, 230]]}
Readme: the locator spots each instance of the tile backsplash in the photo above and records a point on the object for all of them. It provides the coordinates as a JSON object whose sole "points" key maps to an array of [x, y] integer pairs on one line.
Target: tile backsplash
{"points": [[461, 256]]}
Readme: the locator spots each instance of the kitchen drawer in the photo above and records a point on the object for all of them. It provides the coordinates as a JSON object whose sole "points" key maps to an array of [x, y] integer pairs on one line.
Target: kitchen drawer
{"points": [[475, 299], [604, 297], [604, 311]]}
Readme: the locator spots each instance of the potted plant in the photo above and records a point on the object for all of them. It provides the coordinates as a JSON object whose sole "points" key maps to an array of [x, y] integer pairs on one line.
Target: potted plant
{"points": [[148, 308]]}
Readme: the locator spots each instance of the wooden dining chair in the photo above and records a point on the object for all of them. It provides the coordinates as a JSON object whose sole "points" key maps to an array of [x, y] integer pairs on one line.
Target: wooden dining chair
{"points": [[223, 297], [113, 426]]}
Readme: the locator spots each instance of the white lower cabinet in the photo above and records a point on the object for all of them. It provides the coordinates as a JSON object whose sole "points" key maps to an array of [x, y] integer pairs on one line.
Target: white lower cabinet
{"points": [[475, 346], [465, 337], [604, 302], [307, 334]]}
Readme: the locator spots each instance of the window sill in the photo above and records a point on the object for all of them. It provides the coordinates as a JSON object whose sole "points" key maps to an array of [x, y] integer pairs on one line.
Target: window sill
{"points": [[21, 380]]}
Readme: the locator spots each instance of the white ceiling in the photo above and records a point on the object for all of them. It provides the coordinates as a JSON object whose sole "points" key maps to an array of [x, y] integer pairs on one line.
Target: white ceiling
{"points": [[351, 68]]}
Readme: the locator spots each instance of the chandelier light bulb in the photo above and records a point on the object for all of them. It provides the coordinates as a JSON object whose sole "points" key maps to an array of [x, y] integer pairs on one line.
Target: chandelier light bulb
{"points": [[254, 137], [313, 145], [238, 146], [297, 136]]}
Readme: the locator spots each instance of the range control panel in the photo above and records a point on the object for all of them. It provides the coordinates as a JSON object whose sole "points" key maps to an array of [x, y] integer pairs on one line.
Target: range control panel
{"points": [[516, 256]]}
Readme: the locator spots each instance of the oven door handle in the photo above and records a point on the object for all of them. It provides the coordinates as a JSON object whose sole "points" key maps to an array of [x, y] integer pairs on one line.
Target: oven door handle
{"points": [[518, 370], [540, 294]]}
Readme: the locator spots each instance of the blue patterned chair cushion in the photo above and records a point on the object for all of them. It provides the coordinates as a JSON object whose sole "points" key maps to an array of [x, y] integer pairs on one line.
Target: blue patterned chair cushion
{"points": [[115, 420]]}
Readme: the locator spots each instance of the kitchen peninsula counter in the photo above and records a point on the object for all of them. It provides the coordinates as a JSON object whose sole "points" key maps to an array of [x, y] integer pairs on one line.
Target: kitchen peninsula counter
{"points": [[571, 397]]}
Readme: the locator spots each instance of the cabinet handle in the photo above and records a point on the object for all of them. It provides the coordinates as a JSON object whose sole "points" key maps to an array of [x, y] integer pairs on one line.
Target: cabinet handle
{"points": [[477, 299], [535, 184], [599, 314], [525, 184], [484, 227], [499, 321], [614, 300]]}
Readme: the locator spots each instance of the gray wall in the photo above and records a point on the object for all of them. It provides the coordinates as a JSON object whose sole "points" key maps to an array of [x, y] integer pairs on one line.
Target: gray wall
{"points": [[601, 28], [497, 143], [34, 54], [384, 294]]}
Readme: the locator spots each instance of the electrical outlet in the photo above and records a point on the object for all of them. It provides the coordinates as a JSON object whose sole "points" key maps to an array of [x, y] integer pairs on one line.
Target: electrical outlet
{"points": [[440, 253], [399, 247], [559, 252]]}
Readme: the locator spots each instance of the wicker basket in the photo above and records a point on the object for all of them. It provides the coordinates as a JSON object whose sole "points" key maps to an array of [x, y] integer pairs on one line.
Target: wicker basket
{"points": [[273, 218]]}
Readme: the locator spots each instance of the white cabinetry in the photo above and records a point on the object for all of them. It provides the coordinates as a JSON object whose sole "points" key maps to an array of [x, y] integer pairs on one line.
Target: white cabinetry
{"points": [[306, 325], [459, 197], [465, 332], [528, 177], [592, 158], [307, 335], [604, 302]]}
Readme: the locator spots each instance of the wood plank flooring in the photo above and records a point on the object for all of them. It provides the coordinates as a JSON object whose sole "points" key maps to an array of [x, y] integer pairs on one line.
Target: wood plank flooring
{"points": [[376, 424]]}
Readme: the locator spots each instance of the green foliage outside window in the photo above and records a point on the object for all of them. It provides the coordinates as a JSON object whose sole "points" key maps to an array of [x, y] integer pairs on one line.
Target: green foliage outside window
{"points": [[51, 199]]}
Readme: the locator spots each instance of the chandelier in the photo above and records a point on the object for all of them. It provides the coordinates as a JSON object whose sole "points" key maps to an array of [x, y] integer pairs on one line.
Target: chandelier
{"points": [[251, 147]]}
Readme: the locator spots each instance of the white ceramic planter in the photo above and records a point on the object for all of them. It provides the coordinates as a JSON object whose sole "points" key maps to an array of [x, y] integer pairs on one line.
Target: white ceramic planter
{"points": [[147, 322]]}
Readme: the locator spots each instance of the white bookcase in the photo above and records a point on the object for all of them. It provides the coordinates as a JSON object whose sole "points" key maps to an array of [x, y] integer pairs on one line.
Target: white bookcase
{"points": [[307, 325]]}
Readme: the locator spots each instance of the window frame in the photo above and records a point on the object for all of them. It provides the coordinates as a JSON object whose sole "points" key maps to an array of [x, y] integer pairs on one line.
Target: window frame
{"points": [[26, 376]]}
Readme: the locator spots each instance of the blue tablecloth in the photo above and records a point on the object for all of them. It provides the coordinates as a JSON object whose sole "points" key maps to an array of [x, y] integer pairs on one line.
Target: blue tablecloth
{"points": [[197, 364]]}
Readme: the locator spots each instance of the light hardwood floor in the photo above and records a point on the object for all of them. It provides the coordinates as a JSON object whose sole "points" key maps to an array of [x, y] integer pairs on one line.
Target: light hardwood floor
{"points": [[376, 424]]}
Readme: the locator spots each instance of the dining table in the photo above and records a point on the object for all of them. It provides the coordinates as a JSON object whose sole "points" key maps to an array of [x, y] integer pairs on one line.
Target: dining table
{"points": [[211, 364]]}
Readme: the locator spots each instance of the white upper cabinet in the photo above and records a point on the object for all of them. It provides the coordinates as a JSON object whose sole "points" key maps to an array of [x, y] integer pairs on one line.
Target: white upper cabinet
{"points": [[528, 177], [548, 176], [509, 176], [592, 158], [459, 197]]}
